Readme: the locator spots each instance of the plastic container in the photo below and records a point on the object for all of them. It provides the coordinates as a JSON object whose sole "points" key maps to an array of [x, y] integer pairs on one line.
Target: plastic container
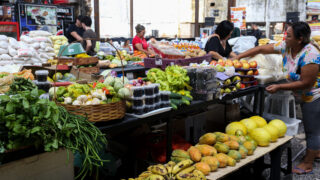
{"points": [[138, 110], [137, 91], [43, 85], [165, 95], [149, 90], [150, 107], [156, 89], [165, 104], [157, 99], [149, 100], [42, 75], [158, 105], [137, 103]]}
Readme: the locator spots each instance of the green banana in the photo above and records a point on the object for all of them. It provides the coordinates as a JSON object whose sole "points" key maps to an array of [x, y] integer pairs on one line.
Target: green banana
{"points": [[177, 159], [187, 170], [199, 175], [170, 166], [182, 165], [155, 177], [159, 169], [185, 176], [145, 174]]}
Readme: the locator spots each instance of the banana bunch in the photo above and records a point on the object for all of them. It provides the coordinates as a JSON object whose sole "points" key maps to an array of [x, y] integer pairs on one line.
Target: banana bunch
{"points": [[172, 171]]}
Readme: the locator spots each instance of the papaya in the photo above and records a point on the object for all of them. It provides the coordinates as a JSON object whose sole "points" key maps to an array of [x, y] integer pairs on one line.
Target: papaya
{"points": [[195, 154], [235, 155], [209, 138], [250, 147], [203, 167], [222, 137], [206, 150], [211, 161], [234, 138], [177, 159], [233, 145], [221, 148], [231, 161], [180, 153], [223, 160], [242, 139], [243, 151]]}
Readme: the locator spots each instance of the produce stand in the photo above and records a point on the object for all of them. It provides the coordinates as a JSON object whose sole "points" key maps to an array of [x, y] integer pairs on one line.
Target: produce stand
{"points": [[260, 152], [127, 69]]}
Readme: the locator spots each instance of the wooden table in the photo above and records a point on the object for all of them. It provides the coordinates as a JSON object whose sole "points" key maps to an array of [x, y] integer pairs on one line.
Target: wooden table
{"points": [[259, 152]]}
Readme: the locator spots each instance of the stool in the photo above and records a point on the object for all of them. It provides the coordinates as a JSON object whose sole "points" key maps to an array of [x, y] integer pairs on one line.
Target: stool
{"points": [[282, 104]]}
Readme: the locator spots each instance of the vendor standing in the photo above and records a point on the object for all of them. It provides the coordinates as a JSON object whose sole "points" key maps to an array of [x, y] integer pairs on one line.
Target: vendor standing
{"points": [[218, 45], [139, 43], [89, 36], [301, 64], [75, 31]]}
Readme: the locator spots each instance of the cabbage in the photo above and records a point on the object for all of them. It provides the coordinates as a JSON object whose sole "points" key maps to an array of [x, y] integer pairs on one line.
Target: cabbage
{"points": [[109, 81], [51, 91], [126, 80], [118, 85], [124, 93]]}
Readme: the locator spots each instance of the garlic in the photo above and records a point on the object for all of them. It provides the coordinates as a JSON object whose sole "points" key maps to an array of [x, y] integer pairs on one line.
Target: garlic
{"points": [[89, 103], [103, 97], [77, 103], [67, 100], [89, 96], [95, 101], [82, 98], [96, 95]]}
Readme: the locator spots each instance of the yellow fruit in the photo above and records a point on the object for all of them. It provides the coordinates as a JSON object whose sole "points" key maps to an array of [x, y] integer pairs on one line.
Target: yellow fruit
{"points": [[249, 123], [233, 145], [280, 125], [195, 154], [211, 161], [250, 147], [208, 138], [259, 120], [235, 155], [222, 137], [261, 136], [243, 151], [221, 148], [234, 126], [223, 160], [206, 150], [203, 167], [231, 161], [273, 131], [234, 138]]}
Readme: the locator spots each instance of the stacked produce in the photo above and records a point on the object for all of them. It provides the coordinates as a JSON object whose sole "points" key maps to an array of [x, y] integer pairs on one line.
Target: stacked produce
{"points": [[173, 79], [8, 50], [218, 150], [113, 62], [92, 94], [59, 77], [263, 41], [194, 53], [58, 41], [6, 79], [28, 121]]}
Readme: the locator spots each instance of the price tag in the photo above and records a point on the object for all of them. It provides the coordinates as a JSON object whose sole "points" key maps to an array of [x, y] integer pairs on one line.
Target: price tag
{"points": [[158, 62]]}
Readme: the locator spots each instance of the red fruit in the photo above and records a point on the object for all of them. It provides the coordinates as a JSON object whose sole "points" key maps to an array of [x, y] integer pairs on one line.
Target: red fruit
{"points": [[256, 73], [243, 86], [255, 83]]}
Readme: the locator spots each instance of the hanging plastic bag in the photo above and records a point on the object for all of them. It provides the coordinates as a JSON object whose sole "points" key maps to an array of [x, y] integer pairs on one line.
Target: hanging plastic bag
{"points": [[244, 43]]}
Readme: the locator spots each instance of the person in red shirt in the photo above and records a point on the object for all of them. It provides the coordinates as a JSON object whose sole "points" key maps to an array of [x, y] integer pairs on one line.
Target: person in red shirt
{"points": [[139, 43]]}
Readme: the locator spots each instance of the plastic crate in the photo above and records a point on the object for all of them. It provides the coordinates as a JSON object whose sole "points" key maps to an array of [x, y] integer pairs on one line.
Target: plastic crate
{"points": [[292, 123], [163, 63]]}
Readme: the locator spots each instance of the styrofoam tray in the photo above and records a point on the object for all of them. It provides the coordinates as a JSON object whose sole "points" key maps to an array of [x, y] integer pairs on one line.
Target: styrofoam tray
{"points": [[292, 123], [154, 112]]}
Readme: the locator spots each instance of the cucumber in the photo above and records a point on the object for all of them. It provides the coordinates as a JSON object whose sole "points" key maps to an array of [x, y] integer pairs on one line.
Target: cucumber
{"points": [[185, 101], [177, 102], [175, 96], [187, 98], [174, 106]]}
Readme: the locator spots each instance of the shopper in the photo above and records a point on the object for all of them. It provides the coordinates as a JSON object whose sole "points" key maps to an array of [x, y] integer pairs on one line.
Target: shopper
{"points": [[301, 63], [75, 31], [236, 32], [126, 45], [139, 43], [256, 33], [217, 44], [89, 36]]}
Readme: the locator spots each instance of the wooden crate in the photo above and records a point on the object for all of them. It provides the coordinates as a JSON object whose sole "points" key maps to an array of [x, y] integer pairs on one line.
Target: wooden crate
{"points": [[85, 61], [88, 70]]}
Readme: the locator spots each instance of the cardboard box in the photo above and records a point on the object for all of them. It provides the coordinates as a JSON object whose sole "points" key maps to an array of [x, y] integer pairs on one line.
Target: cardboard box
{"points": [[49, 165]]}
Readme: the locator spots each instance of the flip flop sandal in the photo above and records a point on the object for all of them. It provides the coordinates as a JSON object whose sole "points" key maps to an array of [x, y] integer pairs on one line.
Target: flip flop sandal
{"points": [[301, 171]]}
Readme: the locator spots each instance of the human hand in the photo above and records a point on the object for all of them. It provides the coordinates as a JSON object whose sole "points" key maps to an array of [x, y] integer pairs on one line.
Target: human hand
{"points": [[273, 88], [235, 58]]}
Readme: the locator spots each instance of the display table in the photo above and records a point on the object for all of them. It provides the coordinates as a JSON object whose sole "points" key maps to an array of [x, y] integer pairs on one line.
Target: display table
{"points": [[260, 151]]}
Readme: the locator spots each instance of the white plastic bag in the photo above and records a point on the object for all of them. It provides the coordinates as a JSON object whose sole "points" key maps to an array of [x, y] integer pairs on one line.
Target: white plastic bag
{"points": [[3, 38], [13, 43], [4, 44], [35, 45], [49, 49], [26, 52], [12, 51], [244, 43], [26, 39], [39, 33], [44, 56], [5, 57], [3, 63], [4, 51], [22, 45], [43, 39]]}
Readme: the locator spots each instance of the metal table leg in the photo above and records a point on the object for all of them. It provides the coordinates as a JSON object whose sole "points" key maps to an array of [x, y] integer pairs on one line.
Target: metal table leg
{"points": [[262, 98], [169, 138], [275, 164], [255, 103]]}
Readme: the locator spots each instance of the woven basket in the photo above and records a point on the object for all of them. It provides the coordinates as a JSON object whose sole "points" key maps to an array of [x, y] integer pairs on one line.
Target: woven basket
{"points": [[99, 113]]}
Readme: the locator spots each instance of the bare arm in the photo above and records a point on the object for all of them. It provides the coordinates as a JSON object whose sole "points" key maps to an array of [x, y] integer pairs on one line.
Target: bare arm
{"points": [[215, 55], [76, 36], [307, 79], [89, 45], [140, 48], [266, 49], [232, 55]]}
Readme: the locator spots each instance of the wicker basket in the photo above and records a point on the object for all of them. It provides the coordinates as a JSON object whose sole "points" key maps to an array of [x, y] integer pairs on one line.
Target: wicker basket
{"points": [[99, 113]]}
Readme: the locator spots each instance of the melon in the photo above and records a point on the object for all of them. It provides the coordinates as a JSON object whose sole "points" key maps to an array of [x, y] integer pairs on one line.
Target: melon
{"points": [[249, 123], [273, 131], [261, 136], [260, 121], [282, 127], [234, 126]]}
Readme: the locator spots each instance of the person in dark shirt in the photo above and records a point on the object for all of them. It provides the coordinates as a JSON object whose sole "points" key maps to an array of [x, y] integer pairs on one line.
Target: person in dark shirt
{"points": [[256, 33], [89, 36], [75, 31], [236, 33], [218, 45]]}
